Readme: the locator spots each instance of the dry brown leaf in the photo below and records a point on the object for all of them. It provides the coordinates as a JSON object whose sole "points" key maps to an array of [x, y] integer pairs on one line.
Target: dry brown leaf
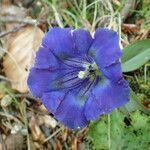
{"points": [[129, 28], [74, 143], [65, 134], [15, 142], [20, 46], [20, 56], [43, 109], [35, 129], [81, 146], [58, 145]]}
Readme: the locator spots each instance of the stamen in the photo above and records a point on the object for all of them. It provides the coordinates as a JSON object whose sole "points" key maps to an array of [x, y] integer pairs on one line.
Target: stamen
{"points": [[82, 74]]}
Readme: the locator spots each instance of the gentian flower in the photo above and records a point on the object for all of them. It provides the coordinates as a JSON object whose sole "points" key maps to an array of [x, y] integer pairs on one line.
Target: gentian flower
{"points": [[78, 77]]}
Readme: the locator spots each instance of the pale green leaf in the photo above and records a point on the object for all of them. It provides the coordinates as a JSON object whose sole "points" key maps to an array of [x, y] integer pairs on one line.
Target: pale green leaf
{"points": [[135, 55]]}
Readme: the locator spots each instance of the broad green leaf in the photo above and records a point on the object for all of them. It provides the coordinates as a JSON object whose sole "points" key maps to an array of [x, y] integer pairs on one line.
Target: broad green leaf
{"points": [[135, 55], [120, 132]]}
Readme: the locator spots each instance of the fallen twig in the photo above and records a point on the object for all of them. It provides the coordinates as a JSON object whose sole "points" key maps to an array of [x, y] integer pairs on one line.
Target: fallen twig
{"points": [[19, 20], [12, 117], [52, 135]]}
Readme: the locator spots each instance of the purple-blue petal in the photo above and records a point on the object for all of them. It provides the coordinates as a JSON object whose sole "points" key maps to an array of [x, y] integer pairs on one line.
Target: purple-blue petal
{"points": [[106, 97], [39, 81], [82, 40], [45, 59], [71, 112], [60, 41], [105, 48], [66, 108], [92, 108], [113, 72], [51, 100]]}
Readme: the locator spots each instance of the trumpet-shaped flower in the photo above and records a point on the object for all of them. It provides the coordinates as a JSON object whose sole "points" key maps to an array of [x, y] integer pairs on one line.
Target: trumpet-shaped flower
{"points": [[78, 77]]}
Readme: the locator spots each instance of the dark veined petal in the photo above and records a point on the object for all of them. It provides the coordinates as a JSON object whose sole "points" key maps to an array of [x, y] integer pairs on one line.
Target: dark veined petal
{"points": [[47, 80], [60, 45], [106, 97], [83, 40], [60, 41], [39, 81], [66, 108], [105, 48], [45, 59]]}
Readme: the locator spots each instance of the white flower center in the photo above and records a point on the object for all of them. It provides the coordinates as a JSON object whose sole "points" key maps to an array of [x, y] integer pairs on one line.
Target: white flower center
{"points": [[90, 70], [82, 74]]}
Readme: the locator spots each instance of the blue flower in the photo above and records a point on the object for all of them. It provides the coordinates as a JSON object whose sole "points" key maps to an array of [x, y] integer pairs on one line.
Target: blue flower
{"points": [[77, 77]]}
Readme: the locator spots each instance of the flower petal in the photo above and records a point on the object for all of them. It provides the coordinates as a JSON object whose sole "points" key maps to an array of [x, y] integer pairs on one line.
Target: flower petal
{"points": [[106, 97], [71, 112], [39, 81], [113, 72], [66, 108], [60, 41], [47, 80], [52, 100], [83, 40], [45, 59], [105, 48]]}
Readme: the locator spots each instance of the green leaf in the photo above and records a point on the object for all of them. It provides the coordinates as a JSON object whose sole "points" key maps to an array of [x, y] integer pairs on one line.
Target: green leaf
{"points": [[121, 132], [135, 55]]}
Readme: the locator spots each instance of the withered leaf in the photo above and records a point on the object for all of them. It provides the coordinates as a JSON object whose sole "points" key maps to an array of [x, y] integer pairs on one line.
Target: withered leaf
{"points": [[20, 56]]}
